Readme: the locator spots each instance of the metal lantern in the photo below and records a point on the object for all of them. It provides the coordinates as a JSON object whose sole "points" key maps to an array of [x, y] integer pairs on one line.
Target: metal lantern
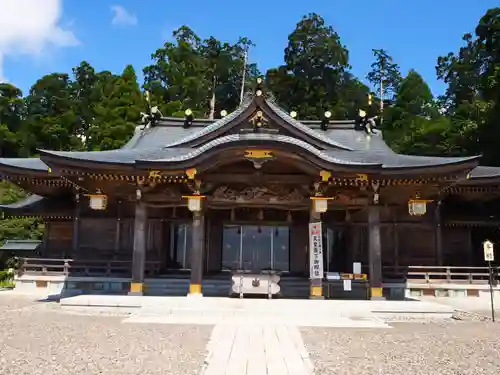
{"points": [[417, 207], [320, 204], [194, 202], [98, 202]]}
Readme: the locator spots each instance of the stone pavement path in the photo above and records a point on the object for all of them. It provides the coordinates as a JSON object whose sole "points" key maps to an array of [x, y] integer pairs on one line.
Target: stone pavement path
{"points": [[257, 349]]}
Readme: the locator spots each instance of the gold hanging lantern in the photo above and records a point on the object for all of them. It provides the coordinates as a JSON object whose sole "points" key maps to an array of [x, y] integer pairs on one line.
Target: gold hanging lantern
{"points": [[417, 206], [98, 202], [194, 202], [320, 204]]}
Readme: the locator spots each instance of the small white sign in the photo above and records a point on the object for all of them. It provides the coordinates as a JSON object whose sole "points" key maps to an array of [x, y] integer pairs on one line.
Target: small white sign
{"points": [[347, 285], [489, 255], [356, 267], [315, 251]]}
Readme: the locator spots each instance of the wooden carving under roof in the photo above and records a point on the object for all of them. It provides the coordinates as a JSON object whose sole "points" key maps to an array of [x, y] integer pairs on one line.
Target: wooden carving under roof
{"points": [[258, 194]]}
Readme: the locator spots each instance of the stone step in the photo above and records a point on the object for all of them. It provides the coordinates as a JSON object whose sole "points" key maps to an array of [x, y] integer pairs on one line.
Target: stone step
{"points": [[218, 287]]}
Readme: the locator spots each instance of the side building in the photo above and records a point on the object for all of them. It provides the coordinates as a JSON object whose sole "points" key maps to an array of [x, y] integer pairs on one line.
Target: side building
{"points": [[187, 201]]}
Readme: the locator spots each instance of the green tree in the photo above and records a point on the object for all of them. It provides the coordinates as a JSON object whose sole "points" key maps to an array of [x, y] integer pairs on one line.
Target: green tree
{"points": [[118, 111], [204, 76], [12, 228], [413, 124], [51, 119], [177, 78], [315, 75], [87, 95], [12, 113], [472, 99], [384, 76]]}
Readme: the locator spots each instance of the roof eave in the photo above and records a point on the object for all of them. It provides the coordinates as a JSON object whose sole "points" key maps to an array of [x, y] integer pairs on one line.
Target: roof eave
{"points": [[13, 169], [461, 165], [56, 161]]}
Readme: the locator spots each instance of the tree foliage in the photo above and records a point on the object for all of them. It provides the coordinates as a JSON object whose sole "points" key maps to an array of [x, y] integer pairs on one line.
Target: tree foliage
{"points": [[315, 76], [191, 72], [384, 75]]}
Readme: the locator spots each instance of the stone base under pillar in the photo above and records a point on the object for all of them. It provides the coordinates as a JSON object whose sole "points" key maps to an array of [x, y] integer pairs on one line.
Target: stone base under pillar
{"points": [[376, 294], [195, 290], [136, 289], [194, 295], [316, 292], [316, 297], [135, 294]]}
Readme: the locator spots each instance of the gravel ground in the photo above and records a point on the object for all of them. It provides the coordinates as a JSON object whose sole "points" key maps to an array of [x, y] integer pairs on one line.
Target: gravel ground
{"points": [[40, 338], [458, 348]]}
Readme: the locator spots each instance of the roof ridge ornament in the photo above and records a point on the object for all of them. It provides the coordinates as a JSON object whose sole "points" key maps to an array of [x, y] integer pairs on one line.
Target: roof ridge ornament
{"points": [[363, 122], [152, 114], [259, 86], [326, 120], [188, 118]]}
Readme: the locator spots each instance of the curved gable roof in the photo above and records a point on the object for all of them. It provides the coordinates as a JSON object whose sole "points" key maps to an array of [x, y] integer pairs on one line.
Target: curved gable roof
{"points": [[256, 137], [259, 102]]}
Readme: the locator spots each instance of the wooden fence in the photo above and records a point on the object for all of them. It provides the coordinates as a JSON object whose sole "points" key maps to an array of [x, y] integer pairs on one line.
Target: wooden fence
{"points": [[440, 274], [96, 268], [121, 268]]}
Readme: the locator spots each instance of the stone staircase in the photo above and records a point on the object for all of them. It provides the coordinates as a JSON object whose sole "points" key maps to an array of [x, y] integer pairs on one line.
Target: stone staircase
{"points": [[294, 287], [216, 287], [291, 287]]}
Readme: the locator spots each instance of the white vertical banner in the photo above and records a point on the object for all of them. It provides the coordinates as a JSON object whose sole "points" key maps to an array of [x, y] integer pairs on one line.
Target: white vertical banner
{"points": [[315, 251]]}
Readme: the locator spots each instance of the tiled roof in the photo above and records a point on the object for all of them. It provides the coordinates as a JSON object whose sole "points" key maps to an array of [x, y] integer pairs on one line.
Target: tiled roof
{"points": [[25, 163], [249, 137], [29, 201], [485, 172], [120, 156], [20, 245], [306, 129], [393, 160], [213, 126]]}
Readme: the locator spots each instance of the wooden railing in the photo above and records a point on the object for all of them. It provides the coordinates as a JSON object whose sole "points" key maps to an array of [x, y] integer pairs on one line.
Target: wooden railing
{"points": [[440, 274], [121, 268], [97, 268]]}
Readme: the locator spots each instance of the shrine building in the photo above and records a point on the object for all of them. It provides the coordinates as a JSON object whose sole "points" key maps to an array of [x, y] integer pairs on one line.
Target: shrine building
{"points": [[191, 206]]}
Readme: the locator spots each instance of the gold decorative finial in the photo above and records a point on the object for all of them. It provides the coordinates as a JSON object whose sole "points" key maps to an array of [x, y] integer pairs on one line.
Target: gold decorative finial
{"points": [[190, 173]]}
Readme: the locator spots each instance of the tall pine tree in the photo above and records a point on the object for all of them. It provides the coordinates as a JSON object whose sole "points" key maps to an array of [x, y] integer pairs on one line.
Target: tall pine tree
{"points": [[118, 111]]}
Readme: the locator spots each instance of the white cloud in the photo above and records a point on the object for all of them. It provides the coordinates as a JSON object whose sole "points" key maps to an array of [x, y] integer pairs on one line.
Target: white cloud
{"points": [[122, 16], [31, 27]]}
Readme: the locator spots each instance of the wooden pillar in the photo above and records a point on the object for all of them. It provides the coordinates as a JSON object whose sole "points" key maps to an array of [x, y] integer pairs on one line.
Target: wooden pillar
{"points": [[139, 249], [472, 260], [76, 228], [439, 234], [118, 231], [46, 237], [395, 240], [375, 252], [197, 252], [316, 290]]}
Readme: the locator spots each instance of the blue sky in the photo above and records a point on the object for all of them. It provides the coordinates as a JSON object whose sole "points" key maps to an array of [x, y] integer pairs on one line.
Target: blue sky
{"points": [[414, 32]]}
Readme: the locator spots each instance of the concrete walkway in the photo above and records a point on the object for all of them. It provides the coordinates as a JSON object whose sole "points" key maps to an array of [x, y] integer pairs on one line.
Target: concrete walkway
{"points": [[246, 349]]}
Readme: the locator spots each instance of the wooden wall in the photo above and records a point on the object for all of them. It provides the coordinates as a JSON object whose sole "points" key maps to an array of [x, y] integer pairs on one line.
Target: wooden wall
{"points": [[405, 240], [58, 239], [457, 246]]}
